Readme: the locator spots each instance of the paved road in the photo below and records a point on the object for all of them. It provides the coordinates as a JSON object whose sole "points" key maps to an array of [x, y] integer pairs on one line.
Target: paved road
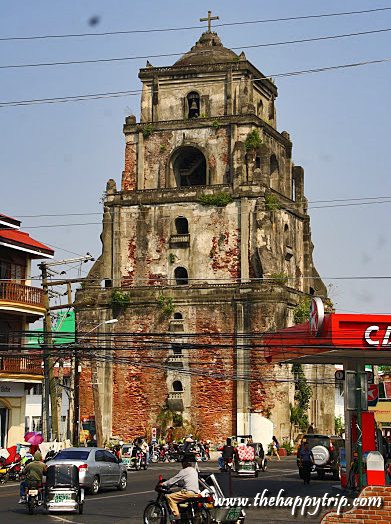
{"points": [[114, 507]]}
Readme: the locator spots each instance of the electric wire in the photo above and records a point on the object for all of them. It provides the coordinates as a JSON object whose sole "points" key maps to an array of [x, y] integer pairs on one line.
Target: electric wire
{"points": [[297, 202], [171, 29], [116, 94], [166, 55]]}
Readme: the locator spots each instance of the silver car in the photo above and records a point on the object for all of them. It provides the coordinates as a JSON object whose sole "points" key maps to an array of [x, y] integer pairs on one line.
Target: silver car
{"points": [[98, 468]]}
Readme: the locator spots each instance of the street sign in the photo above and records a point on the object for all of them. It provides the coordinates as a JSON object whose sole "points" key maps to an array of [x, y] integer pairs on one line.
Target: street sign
{"points": [[154, 434], [373, 394], [340, 374], [316, 315]]}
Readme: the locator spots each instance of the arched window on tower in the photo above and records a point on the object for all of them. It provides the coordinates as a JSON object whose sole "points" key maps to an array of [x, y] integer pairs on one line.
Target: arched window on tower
{"points": [[177, 386], [189, 166], [181, 226], [178, 316], [260, 109], [181, 276], [193, 104]]}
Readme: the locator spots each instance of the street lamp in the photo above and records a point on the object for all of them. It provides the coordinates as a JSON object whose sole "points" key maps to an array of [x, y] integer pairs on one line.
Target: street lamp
{"points": [[95, 392]]}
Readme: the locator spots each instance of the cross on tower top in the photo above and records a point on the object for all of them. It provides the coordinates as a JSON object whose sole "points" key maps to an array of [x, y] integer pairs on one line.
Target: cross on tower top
{"points": [[209, 20]]}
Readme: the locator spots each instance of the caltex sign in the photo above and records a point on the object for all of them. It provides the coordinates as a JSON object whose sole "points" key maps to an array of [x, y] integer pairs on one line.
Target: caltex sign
{"points": [[373, 394]]}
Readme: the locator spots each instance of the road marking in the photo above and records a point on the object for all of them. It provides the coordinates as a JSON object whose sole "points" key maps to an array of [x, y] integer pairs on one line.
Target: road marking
{"points": [[61, 519], [122, 495]]}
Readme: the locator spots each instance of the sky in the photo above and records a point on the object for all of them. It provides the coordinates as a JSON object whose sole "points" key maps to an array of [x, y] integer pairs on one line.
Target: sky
{"points": [[55, 158]]}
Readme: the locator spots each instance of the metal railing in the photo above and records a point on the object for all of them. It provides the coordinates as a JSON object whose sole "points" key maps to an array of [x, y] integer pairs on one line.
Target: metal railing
{"points": [[21, 365], [21, 294]]}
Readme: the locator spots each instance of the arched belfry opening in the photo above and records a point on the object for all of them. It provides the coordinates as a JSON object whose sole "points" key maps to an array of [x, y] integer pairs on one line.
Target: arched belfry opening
{"points": [[189, 166], [193, 105]]}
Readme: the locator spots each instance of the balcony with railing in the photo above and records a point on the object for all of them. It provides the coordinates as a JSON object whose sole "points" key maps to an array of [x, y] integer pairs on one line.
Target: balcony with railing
{"points": [[175, 400], [14, 294], [180, 240], [21, 365]]}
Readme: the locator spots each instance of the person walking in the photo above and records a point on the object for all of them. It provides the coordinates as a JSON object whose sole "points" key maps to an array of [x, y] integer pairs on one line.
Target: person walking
{"points": [[275, 446], [306, 461]]}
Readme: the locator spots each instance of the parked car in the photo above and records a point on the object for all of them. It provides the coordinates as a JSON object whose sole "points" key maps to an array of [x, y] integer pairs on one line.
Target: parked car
{"points": [[325, 449], [98, 468]]}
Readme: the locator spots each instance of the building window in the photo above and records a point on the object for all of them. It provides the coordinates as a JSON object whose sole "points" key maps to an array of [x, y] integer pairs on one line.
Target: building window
{"points": [[178, 316], [181, 226], [193, 104], [258, 162], [189, 167], [260, 109], [10, 271], [177, 386], [181, 276]]}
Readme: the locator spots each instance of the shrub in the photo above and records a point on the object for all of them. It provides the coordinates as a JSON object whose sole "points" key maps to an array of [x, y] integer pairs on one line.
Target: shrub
{"points": [[147, 130], [166, 305], [301, 312], [120, 298], [280, 278], [271, 202], [289, 448], [216, 124], [219, 200], [253, 140]]}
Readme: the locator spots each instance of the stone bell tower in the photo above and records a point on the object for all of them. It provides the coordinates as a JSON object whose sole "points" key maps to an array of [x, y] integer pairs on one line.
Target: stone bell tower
{"points": [[208, 235]]}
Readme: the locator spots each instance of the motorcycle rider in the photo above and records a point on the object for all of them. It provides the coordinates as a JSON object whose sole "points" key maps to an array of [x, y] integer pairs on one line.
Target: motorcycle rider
{"points": [[187, 479], [228, 453], [188, 445], [34, 472]]}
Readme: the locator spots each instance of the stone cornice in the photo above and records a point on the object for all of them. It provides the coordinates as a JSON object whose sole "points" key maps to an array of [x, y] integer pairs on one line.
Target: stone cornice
{"points": [[199, 123], [148, 73]]}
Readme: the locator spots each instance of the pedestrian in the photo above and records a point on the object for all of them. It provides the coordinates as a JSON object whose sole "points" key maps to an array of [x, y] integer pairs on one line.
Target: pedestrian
{"points": [[311, 429], [170, 436], [306, 461], [275, 446]]}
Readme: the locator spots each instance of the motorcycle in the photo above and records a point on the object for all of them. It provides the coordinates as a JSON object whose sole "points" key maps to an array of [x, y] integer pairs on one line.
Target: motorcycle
{"points": [[34, 497], [10, 471], [192, 511], [138, 460], [228, 465]]}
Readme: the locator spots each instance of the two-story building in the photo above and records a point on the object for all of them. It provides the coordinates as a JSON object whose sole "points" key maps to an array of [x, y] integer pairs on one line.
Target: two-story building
{"points": [[20, 304]]}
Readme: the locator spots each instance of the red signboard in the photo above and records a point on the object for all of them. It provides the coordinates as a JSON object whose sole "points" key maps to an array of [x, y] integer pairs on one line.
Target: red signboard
{"points": [[373, 394], [339, 331]]}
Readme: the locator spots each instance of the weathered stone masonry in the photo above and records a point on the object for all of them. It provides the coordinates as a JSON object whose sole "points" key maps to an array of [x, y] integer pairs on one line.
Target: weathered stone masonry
{"points": [[207, 129]]}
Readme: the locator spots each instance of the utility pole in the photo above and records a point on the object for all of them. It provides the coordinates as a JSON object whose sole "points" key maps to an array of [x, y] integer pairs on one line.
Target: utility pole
{"points": [[50, 389], [76, 398]]}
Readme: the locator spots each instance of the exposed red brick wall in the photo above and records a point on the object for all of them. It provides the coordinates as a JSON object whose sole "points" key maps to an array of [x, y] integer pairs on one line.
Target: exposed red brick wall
{"points": [[365, 515], [129, 180]]}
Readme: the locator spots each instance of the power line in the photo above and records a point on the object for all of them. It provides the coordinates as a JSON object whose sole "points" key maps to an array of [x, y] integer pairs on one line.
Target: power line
{"points": [[171, 29], [116, 94], [132, 221], [165, 55], [297, 202], [375, 200]]}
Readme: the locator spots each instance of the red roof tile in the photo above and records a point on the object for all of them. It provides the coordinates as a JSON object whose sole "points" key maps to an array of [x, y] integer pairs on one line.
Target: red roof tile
{"points": [[19, 238]]}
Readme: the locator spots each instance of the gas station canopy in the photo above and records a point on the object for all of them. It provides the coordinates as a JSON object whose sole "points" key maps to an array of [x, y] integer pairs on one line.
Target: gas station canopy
{"points": [[333, 339]]}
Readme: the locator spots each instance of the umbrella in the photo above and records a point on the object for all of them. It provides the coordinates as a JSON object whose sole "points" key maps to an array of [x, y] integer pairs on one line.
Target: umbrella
{"points": [[34, 438]]}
